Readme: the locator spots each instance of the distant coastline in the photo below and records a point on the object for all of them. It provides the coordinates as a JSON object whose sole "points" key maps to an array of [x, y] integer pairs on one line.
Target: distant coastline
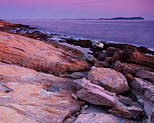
{"points": [[116, 18]]}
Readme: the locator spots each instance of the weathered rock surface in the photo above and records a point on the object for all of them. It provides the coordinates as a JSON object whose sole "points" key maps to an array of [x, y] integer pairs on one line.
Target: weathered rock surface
{"points": [[37, 55], [75, 75], [126, 100], [28, 101], [146, 104], [120, 111], [144, 87], [136, 111], [95, 118], [134, 56], [91, 59], [146, 75], [94, 94], [109, 79]]}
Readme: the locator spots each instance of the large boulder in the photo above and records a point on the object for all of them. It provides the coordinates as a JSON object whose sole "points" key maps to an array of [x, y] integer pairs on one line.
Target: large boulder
{"points": [[24, 98], [37, 55], [109, 79], [94, 94]]}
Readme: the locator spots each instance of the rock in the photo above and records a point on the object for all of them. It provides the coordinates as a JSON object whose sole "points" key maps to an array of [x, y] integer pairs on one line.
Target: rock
{"points": [[109, 79], [97, 44], [143, 49], [146, 75], [101, 64], [94, 94], [29, 101], [136, 112], [91, 59], [120, 111], [117, 66], [82, 43], [118, 56], [129, 77], [108, 59], [134, 56], [95, 118], [74, 96], [126, 100], [148, 106], [37, 55], [70, 119], [144, 87], [75, 75]]}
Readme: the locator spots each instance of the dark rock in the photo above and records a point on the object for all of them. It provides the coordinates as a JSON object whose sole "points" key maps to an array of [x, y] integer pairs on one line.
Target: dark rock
{"points": [[101, 64]]}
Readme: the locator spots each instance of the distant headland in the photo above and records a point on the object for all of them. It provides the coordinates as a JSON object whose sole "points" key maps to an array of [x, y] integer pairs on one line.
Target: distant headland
{"points": [[116, 18]]}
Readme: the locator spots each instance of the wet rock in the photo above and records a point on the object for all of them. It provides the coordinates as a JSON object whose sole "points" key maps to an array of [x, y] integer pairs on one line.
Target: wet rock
{"points": [[94, 94], [82, 43], [37, 55], [101, 64], [143, 49], [146, 75], [109, 79], [91, 59], [120, 111], [136, 112], [97, 44], [95, 118]]}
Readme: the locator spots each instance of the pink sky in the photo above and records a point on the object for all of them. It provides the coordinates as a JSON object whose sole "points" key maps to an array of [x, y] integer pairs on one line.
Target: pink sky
{"points": [[58, 9]]}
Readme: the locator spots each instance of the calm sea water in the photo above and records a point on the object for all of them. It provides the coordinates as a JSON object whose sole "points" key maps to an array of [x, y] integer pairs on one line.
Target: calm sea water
{"points": [[139, 33]]}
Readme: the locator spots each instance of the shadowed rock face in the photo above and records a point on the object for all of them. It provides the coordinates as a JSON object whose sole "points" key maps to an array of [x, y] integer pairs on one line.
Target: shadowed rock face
{"points": [[28, 101], [37, 55]]}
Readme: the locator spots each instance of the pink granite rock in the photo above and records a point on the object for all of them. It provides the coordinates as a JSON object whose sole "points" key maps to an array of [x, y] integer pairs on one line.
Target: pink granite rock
{"points": [[109, 79], [94, 94]]}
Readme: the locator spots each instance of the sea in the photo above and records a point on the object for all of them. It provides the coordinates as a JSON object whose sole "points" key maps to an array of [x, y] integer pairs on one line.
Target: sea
{"points": [[136, 32]]}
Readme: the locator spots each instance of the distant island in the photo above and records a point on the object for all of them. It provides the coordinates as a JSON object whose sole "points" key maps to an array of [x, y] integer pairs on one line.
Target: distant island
{"points": [[116, 18]]}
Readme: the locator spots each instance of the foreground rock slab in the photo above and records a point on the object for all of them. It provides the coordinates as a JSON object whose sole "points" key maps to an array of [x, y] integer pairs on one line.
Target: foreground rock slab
{"points": [[109, 79], [95, 118], [37, 55], [94, 94], [27, 100]]}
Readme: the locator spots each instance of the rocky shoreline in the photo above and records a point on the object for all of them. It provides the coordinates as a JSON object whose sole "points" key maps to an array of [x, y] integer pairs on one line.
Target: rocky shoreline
{"points": [[44, 81]]}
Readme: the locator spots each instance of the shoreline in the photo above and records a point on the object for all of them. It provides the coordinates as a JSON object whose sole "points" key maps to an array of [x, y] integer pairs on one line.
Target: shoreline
{"points": [[56, 83], [92, 39]]}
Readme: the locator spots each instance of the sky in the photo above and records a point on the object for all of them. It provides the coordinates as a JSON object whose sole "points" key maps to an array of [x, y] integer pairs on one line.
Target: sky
{"points": [[61, 9]]}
